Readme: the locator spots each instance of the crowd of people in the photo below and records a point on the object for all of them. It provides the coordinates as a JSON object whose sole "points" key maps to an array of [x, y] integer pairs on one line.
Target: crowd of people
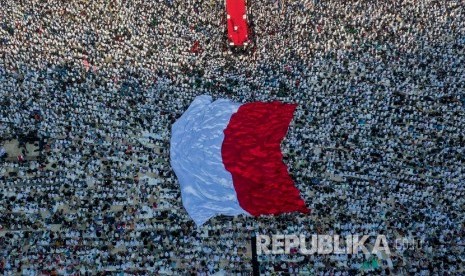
{"points": [[89, 91]]}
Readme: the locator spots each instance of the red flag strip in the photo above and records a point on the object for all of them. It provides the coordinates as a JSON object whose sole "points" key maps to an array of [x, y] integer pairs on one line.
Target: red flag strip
{"points": [[237, 23], [251, 152]]}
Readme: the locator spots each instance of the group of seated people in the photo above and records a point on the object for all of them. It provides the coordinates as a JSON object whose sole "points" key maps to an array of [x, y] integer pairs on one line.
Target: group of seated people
{"points": [[89, 91]]}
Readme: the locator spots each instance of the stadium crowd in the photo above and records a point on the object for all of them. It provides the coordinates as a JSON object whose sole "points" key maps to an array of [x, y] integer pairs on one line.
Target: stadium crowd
{"points": [[89, 90]]}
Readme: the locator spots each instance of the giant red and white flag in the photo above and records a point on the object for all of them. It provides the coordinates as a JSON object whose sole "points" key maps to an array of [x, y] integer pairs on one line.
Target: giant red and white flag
{"points": [[228, 159]]}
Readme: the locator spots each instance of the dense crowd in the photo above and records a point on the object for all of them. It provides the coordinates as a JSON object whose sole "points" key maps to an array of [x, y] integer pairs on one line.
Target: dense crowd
{"points": [[89, 90]]}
